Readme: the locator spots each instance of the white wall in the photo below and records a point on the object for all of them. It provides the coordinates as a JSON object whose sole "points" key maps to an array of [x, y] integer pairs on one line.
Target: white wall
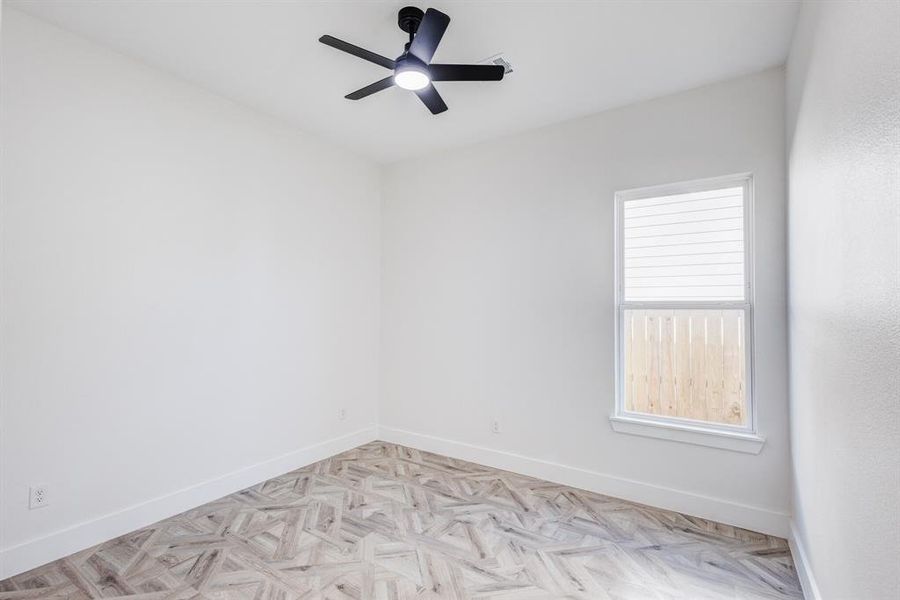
{"points": [[498, 302], [844, 162], [189, 289]]}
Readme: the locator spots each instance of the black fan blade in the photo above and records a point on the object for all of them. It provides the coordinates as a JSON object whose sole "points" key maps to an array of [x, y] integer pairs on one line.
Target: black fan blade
{"points": [[371, 88], [466, 72], [362, 53], [430, 97], [429, 35]]}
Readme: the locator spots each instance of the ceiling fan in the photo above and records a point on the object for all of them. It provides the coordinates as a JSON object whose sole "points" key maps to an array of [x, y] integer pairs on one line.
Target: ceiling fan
{"points": [[413, 70]]}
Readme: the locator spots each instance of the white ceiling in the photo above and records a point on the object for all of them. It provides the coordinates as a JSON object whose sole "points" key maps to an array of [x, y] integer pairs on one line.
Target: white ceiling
{"points": [[570, 58]]}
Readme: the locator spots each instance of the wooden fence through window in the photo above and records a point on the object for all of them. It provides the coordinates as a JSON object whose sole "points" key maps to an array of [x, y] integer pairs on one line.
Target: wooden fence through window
{"points": [[686, 363]]}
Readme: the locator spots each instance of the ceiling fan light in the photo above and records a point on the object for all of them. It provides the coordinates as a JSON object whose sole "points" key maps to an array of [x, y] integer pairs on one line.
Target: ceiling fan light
{"points": [[411, 79]]}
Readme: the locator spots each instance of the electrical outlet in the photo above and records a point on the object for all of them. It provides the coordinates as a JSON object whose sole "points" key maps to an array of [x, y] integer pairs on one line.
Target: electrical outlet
{"points": [[39, 497], [495, 426], [342, 413]]}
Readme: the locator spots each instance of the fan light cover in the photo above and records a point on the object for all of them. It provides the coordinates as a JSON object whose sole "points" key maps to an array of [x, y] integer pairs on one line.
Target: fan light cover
{"points": [[411, 79]]}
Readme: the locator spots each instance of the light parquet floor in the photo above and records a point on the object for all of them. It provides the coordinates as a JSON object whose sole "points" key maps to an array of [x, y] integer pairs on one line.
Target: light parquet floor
{"points": [[387, 522]]}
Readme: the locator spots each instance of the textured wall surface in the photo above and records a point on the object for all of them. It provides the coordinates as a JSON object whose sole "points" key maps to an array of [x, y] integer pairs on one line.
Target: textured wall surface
{"points": [[844, 152]]}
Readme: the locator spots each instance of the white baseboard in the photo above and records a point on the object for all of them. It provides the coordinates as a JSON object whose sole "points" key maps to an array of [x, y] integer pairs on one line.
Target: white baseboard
{"points": [[801, 564], [715, 509], [34, 553]]}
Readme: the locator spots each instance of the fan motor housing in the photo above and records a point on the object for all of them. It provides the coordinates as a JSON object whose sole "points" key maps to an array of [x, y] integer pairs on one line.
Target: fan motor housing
{"points": [[409, 19]]}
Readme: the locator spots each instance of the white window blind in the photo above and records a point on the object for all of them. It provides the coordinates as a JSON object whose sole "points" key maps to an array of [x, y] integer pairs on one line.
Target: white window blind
{"points": [[685, 247]]}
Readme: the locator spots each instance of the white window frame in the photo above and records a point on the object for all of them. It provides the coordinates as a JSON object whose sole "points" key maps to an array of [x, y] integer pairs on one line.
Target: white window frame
{"points": [[740, 438]]}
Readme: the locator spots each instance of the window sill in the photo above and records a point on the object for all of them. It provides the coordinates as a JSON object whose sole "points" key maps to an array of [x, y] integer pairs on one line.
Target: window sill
{"points": [[749, 443]]}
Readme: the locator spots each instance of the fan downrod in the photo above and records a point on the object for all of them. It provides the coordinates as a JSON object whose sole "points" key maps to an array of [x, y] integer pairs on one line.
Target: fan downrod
{"points": [[409, 19]]}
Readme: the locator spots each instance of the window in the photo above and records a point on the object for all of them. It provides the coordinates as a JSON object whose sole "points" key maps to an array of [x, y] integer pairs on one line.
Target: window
{"points": [[684, 313]]}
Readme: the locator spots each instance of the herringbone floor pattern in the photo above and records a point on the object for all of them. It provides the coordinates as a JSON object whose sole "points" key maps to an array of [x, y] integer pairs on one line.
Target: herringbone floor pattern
{"points": [[388, 522]]}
